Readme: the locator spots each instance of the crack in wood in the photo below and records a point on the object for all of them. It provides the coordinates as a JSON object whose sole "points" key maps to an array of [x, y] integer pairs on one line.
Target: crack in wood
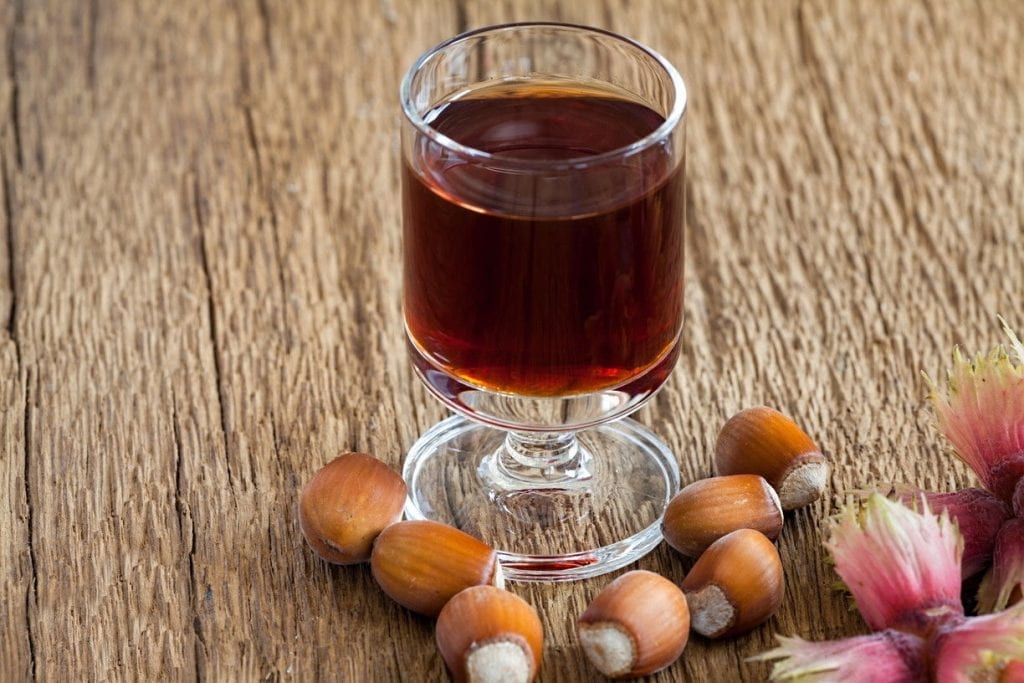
{"points": [[32, 593], [5, 181], [31, 590], [179, 507], [325, 188], [211, 317], [12, 75], [90, 50], [273, 433], [264, 12], [243, 63]]}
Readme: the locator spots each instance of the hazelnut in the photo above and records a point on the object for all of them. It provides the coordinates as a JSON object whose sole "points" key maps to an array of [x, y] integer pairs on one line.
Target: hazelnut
{"points": [[421, 564], [766, 442], [735, 585], [637, 625], [708, 509], [488, 635], [347, 504]]}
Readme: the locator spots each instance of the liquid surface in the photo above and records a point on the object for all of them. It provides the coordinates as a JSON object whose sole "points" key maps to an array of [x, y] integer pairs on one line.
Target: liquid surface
{"points": [[543, 305], [544, 122]]}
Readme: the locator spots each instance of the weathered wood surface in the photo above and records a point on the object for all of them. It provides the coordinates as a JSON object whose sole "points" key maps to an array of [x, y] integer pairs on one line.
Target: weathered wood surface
{"points": [[199, 300]]}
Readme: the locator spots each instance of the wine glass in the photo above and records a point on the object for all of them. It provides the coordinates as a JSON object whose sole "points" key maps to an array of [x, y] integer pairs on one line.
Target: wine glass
{"points": [[543, 209]]}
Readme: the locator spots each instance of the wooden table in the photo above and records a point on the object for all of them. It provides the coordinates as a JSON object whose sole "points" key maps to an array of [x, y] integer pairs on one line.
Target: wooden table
{"points": [[199, 300]]}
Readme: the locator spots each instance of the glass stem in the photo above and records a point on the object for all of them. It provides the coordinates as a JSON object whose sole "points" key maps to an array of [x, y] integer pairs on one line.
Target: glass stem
{"points": [[544, 459]]}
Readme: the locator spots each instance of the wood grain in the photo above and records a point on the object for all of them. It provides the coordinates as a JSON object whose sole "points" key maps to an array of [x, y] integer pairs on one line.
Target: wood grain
{"points": [[199, 279]]}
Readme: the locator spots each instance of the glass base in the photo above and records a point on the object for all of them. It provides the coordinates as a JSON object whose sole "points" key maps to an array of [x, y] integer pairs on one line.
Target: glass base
{"points": [[596, 509]]}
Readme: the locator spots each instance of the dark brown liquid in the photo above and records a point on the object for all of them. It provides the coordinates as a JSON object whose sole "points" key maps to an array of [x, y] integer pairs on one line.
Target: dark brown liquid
{"points": [[529, 302]]}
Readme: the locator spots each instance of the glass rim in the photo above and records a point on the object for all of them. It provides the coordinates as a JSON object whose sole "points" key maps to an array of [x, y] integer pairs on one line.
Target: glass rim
{"points": [[672, 119]]}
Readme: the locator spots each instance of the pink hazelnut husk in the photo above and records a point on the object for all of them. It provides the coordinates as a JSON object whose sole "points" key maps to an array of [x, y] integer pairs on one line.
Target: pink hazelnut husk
{"points": [[1017, 502], [978, 514], [1013, 672], [890, 656], [1007, 475], [902, 566], [979, 411], [1003, 585], [985, 648]]}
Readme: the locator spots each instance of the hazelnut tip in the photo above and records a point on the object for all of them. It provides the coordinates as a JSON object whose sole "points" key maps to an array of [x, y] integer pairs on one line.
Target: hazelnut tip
{"points": [[501, 661], [609, 647], [803, 484], [711, 611]]}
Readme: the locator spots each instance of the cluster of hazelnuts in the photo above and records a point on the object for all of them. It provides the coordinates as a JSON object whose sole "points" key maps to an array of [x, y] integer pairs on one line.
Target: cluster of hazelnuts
{"points": [[349, 512]]}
